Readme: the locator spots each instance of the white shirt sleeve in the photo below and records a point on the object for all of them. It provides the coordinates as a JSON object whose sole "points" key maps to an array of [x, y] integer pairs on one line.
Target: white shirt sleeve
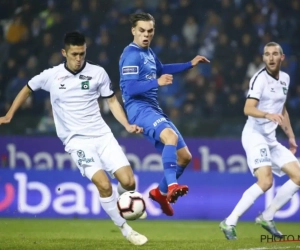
{"points": [[40, 81], [105, 86], [256, 87]]}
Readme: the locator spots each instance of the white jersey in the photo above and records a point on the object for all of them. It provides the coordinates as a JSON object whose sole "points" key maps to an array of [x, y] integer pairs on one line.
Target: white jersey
{"points": [[74, 99], [271, 94]]}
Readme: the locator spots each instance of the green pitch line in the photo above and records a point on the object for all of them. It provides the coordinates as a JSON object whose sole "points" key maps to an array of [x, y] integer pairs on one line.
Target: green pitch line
{"points": [[38, 234]]}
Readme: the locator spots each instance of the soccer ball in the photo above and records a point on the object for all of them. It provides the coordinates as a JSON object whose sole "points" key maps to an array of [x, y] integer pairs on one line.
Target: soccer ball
{"points": [[131, 205]]}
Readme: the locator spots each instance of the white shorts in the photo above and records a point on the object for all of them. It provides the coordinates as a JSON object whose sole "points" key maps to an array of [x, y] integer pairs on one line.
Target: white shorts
{"points": [[97, 153], [262, 151]]}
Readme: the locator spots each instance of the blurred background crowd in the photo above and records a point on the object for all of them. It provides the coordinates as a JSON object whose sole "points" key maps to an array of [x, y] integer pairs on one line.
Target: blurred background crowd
{"points": [[206, 101]]}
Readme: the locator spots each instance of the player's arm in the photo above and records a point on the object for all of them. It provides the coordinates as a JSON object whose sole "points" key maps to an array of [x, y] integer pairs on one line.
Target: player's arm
{"points": [[178, 67], [251, 109], [255, 92], [288, 130], [17, 103], [118, 112], [136, 87], [37, 82], [286, 124]]}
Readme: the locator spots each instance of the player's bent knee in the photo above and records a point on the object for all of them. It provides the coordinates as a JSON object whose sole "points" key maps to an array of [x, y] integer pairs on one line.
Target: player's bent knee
{"points": [[128, 182], [296, 179], [125, 177], [293, 171], [265, 184], [169, 136], [105, 189], [185, 159], [102, 183]]}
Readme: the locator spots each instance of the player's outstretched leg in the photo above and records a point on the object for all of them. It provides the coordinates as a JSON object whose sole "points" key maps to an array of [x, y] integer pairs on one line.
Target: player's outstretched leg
{"points": [[108, 200], [248, 198], [175, 190], [229, 231], [169, 161], [268, 225], [163, 185], [109, 204], [161, 199]]}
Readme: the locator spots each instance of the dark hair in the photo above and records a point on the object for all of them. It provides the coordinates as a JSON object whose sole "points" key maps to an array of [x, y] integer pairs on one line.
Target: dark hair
{"points": [[74, 38], [270, 44], [141, 16]]}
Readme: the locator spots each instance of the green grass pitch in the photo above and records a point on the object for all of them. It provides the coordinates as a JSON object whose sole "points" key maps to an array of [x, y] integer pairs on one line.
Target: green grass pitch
{"points": [[39, 234]]}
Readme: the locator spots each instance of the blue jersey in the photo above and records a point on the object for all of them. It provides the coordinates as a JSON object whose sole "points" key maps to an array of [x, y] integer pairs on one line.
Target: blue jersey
{"points": [[139, 69], [139, 64]]}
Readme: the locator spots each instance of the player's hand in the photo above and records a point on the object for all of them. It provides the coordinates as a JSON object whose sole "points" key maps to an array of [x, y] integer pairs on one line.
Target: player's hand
{"points": [[293, 145], [132, 128], [278, 118], [4, 120], [165, 79], [199, 59]]}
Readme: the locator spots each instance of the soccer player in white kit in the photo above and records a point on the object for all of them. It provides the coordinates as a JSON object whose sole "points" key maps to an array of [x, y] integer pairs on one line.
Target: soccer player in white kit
{"points": [[75, 87], [265, 108]]}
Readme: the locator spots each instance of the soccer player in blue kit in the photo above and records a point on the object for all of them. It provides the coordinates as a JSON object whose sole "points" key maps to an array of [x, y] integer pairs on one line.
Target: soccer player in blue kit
{"points": [[141, 73]]}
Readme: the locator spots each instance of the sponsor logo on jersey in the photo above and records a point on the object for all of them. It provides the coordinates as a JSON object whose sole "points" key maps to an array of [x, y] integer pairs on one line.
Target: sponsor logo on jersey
{"points": [[159, 121], [85, 85], [61, 78], [151, 76], [62, 86], [82, 77], [130, 70]]}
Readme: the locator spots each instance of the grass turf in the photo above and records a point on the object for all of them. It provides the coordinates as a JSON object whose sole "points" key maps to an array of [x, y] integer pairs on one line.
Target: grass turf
{"points": [[40, 234]]}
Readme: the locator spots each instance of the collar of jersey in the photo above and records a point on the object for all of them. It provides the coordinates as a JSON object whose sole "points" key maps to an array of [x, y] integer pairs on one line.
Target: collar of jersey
{"points": [[135, 45], [74, 73], [272, 76]]}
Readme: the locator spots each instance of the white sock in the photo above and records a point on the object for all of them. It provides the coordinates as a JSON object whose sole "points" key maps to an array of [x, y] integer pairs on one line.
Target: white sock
{"points": [[284, 194], [122, 190], [248, 198], [109, 204]]}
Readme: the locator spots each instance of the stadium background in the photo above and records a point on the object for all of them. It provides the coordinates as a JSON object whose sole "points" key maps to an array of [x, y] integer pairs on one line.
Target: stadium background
{"points": [[206, 103]]}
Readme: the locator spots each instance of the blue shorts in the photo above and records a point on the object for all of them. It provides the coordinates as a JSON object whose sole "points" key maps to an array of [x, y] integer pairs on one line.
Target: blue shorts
{"points": [[153, 123]]}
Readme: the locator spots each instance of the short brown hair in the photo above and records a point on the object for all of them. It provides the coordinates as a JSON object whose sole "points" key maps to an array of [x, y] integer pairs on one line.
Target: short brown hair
{"points": [[270, 44], [134, 18]]}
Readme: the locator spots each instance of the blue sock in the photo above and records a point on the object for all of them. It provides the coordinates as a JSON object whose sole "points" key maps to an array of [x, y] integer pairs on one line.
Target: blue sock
{"points": [[163, 186], [179, 171], [169, 161]]}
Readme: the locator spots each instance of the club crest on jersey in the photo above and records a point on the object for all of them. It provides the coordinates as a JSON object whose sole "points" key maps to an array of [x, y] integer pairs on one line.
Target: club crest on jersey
{"points": [[285, 90], [85, 85], [263, 152], [82, 77], [80, 153], [83, 159], [130, 70]]}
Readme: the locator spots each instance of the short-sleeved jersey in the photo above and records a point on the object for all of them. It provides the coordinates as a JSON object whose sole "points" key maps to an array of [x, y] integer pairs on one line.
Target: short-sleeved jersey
{"points": [[139, 64], [271, 94], [74, 99]]}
